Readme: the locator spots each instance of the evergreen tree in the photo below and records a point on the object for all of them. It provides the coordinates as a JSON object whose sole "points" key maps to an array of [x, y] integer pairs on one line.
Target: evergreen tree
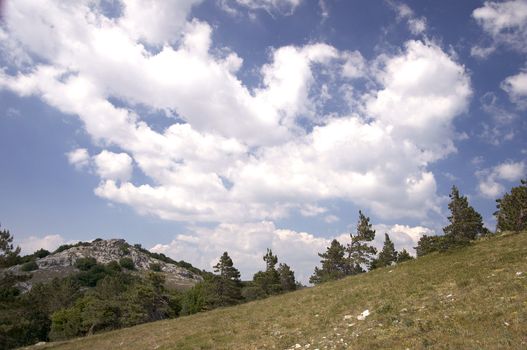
{"points": [[429, 244], [269, 280], [360, 253], [334, 264], [9, 255], [465, 223], [388, 254], [270, 260], [403, 255], [512, 209], [287, 278], [227, 284]]}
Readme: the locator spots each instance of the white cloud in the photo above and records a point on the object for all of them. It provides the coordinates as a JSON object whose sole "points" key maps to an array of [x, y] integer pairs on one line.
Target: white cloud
{"points": [[284, 7], [113, 166], [424, 90], [154, 21], [516, 87], [331, 219], [510, 171], [416, 25], [79, 158], [491, 179], [354, 65], [252, 139], [31, 244], [506, 24]]}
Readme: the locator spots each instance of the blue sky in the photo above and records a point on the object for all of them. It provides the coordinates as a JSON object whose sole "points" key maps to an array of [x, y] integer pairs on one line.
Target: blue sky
{"points": [[194, 127]]}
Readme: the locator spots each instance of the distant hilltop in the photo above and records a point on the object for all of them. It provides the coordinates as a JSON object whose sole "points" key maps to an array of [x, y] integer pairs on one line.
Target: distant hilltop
{"points": [[62, 263]]}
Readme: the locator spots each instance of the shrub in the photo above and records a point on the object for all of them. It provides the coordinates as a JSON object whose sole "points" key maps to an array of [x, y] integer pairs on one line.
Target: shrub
{"points": [[30, 266], [114, 266], [92, 276], [127, 263], [84, 264], [155, 267], [41, 253]]}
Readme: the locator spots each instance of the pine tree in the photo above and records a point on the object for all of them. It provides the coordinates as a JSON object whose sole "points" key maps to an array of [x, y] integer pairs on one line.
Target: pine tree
{"points": [[227, 284], [333, 264], [287, 278], [9, 255], [512, 209], [403, 255], [269, 280], [465, 223], [270, 260], [360, 253], [388, 254]]}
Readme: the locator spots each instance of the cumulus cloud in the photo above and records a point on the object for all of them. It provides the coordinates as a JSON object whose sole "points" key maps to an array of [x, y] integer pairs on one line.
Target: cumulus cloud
{"points": [[245, 151], [31, 244], [516, 88], [491, 179], [113, 166], [155, 22], [79, 158], [505, 23]]}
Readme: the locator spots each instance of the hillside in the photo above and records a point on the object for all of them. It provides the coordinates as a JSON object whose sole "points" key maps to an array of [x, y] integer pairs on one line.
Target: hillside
{"points": [[62, 263], [471, 298]]}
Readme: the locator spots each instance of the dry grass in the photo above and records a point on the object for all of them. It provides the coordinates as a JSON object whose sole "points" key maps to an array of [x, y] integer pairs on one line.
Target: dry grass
{"points": [[471, 298]]}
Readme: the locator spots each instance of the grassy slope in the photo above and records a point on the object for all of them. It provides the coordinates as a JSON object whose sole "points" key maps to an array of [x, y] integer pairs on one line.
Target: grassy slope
{"points": [[466, 299]]}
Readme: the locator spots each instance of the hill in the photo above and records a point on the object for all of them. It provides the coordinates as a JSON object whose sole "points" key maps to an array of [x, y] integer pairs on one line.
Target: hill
{"points": [[471, 298], [61, 263]]}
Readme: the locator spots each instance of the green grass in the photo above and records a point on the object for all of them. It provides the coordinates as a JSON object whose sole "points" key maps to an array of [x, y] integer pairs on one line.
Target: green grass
{"points": [[471, 298]]}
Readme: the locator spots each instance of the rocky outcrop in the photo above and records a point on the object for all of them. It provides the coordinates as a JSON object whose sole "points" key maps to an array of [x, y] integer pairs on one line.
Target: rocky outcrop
{"points": [[62, 264]]}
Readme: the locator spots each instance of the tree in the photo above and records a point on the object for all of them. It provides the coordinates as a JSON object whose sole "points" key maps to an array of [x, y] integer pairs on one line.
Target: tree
{"points": [[334, 264], [465, 223], [287, 278], [388, 254], [268, 280], [360, 253], [403, 255], [512, 209], [270, 260], [227, 284], [9, 255]]}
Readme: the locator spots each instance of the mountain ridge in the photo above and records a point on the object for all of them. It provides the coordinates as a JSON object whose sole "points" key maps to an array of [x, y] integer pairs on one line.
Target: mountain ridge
{"points": [[61, 263]]}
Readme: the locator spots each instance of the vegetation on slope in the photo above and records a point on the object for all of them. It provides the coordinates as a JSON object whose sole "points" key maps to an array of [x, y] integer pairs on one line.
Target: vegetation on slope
{"points": [[468, 298]]}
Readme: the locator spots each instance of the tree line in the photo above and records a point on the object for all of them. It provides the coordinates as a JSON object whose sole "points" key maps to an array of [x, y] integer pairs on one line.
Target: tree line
{"points": [[465, 225]]}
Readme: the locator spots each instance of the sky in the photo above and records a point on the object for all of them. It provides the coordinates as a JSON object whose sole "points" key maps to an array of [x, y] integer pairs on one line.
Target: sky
{"points": [[195, 127]]}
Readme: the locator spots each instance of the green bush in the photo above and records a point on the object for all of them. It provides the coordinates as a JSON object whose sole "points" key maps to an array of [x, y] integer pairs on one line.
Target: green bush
{"points": [[84, 264], [114, 266], [41, 253], [30, 266], [127, 263], [155, 267], [92, 276]]}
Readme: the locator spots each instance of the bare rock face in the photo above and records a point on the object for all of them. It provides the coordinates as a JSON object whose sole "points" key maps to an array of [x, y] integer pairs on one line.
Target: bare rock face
{"points": [[62, 264]]}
